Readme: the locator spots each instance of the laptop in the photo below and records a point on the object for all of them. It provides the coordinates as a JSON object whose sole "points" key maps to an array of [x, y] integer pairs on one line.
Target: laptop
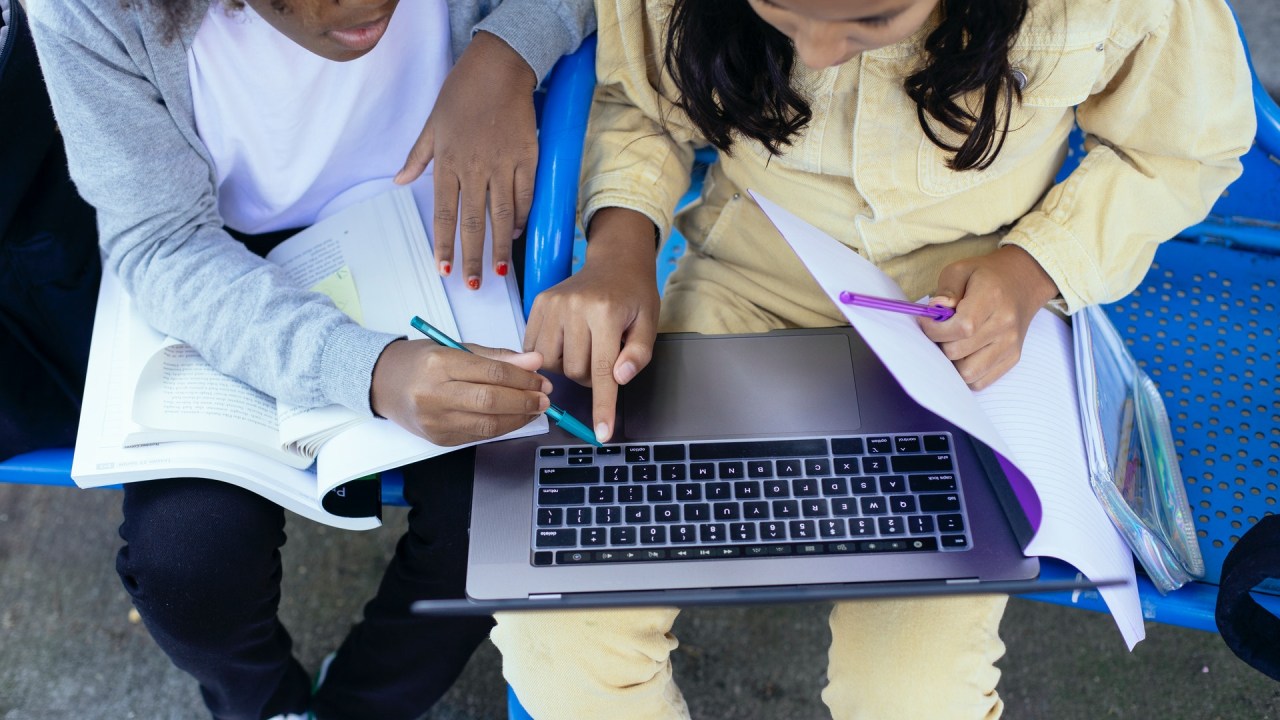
{"points": [[772, 467]]}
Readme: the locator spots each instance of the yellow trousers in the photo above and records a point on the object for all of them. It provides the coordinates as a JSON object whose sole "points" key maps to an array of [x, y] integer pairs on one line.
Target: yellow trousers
{"points": [[902, 659]]}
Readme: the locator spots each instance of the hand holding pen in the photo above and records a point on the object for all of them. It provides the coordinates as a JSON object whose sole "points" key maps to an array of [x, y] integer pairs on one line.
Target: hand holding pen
{"points": [[451, 398], [571, 424]]}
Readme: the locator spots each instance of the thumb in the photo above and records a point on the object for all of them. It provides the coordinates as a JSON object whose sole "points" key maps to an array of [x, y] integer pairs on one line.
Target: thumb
{"points": [[952, 282], [419, 157]]}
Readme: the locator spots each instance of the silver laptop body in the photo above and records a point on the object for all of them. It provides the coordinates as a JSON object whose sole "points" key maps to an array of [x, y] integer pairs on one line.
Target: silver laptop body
{"points": [[707, 396]]}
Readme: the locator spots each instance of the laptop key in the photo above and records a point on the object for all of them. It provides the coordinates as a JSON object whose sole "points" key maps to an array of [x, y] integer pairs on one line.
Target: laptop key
{"points": [[844, 507], [653, 535], [594, 536], [921, 463], [814, 508], [666, 513], [581, 460], [644, 473], [862, 526], [717, 491], [608, 515], [600, 495], [893, 484], [730, 470], [660, 493], [760, 469], [831, 528], [777, 489], [874, 506], [817, 466], [562, 496], [568, 475], [742, 531], [615, 474], [630, 494], [556, 538], [835, 487], [953, 523], [757, 448], [936, 443], [920, 524], [683, 534], [725, 511], [862, 485], [932, 482], [702, 471], [668, 453], [671, 472], [846, 466], [712, 532], [939, 503], [786, 509], [788, 468], [802, 529], [806, 487], [902, 504], [757, 510], [578, 516], [891, 525], [637, 453], [622, 536], [550, 516], [773, 531], [637, 514], [688, 492], [746, 490], [847, 446], [697, 512], [879, 445], [906, 443], [955, 541]]}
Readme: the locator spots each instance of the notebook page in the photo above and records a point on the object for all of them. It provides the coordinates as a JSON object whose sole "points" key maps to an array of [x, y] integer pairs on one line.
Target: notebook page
{"points": [[1035, 409], [1070, 517]]}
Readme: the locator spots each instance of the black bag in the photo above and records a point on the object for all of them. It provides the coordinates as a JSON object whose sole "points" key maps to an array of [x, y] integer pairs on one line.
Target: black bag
{"points": [[49, 263], [1249, 629]]}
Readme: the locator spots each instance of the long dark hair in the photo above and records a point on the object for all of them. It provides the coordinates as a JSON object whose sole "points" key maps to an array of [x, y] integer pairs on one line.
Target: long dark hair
{"points": [[733, 72]]}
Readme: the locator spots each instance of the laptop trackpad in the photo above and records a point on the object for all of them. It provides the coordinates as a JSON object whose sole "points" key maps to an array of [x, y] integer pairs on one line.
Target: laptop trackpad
{"points": [[735, 386]]}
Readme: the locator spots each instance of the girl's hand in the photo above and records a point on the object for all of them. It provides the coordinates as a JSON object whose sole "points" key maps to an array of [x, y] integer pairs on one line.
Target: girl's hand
{"points": [[451, 397], [484, 139], [995, 297], [598, 326]]}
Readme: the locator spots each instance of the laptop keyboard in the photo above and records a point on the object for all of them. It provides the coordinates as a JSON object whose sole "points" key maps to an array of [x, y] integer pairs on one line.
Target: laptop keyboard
{"points": [[747, 498]]}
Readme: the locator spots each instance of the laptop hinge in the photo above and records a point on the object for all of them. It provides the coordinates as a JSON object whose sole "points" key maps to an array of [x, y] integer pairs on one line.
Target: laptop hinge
{"points": [[957, 581], [545, 596]]}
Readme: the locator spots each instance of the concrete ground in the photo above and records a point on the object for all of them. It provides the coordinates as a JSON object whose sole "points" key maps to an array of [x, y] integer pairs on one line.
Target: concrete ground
{"points": [[69, 647]]}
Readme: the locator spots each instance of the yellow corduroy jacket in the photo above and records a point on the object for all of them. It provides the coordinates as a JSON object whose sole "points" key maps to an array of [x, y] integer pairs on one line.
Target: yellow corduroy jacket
{"points": [[1161, 89]]}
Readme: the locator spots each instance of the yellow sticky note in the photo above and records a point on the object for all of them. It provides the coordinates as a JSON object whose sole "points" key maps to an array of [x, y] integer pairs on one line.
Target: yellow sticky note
{"points": [[341, 289]]}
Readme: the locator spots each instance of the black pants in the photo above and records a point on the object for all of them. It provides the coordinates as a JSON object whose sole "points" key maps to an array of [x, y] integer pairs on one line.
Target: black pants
{"points": [[202, 562]]}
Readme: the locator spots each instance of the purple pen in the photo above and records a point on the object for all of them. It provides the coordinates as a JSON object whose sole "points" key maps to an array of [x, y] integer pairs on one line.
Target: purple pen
{"points": [[937, 312]]}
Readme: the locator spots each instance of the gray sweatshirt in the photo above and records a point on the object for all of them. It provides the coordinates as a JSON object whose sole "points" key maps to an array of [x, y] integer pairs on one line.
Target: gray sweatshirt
{"points": [[122, 98]]}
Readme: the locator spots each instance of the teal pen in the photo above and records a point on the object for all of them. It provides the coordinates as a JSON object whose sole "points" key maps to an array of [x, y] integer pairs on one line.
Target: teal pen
{"points": [[571, 424]]}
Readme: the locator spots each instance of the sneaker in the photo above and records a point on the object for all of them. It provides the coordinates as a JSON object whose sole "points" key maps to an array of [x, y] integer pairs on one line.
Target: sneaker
{"points": [[323, 671]]}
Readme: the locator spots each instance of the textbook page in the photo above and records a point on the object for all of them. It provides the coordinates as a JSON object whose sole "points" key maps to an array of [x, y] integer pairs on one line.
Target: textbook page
{"points": [[101, 459], [180, 396], [384, 237], [1030, 417]]}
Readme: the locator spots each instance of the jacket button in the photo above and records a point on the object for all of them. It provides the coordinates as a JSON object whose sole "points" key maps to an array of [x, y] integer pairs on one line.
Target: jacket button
{"points": [[1020, 78]]}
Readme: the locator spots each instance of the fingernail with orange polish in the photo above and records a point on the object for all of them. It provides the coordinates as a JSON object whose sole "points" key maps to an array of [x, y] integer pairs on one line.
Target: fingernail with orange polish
{"points": [[501, 269], [473, 282], [445, 267]]}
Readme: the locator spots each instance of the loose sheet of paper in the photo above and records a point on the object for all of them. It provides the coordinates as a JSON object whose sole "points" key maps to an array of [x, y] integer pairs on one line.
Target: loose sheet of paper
{"points": [[1030, 416]]}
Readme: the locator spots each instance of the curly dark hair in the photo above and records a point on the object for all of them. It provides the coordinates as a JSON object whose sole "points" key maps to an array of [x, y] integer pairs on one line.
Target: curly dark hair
{"points": [[174, 14], [733, 71]]}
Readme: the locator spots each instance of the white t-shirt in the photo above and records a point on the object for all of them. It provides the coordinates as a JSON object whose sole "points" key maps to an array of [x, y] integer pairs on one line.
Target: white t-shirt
{"points": [[292, 134]]}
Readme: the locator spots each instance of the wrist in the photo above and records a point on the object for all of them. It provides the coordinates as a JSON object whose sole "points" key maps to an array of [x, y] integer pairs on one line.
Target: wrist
{"points": [[622, 232], [383, 383], [502, 60], [1039, 285]]}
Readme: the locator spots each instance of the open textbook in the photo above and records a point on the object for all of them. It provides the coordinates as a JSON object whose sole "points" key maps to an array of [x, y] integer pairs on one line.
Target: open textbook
{"points": [[1030, 417], [153, 408]]}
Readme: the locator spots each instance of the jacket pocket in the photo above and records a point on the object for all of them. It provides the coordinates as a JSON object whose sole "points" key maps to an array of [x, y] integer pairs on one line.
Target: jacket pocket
{"points": [[1054, 82]]}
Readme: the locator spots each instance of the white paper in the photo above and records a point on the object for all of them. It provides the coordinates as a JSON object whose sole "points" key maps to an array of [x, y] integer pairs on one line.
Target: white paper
{"points": [[1030, 416]]}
